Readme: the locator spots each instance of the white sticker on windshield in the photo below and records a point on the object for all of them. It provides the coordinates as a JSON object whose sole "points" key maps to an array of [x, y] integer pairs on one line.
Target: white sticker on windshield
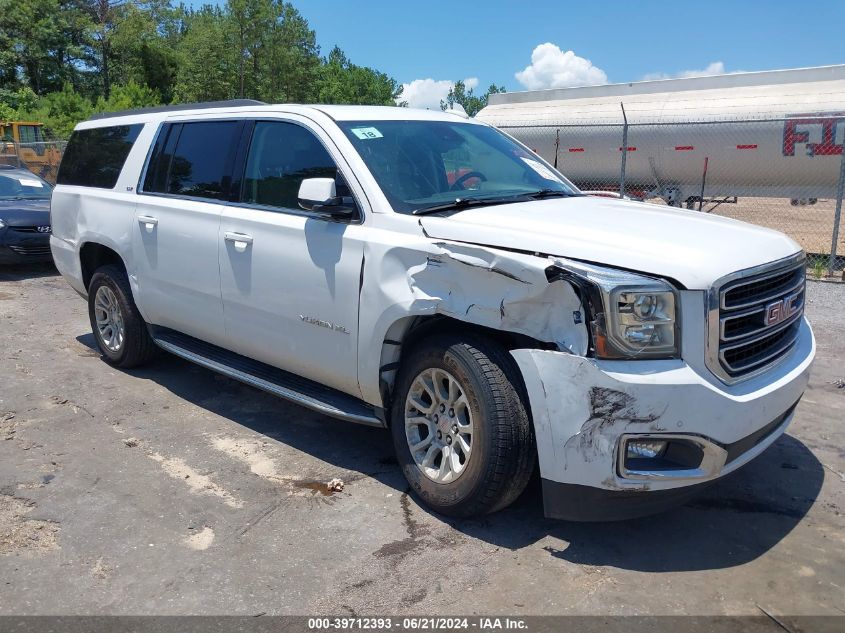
{"points": [[29, 182], [541, 169], [366, 133]]}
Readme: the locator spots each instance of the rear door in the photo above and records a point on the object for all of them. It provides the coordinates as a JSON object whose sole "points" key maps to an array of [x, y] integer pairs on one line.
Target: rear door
{"points": [[290, 278], [177, 221]]}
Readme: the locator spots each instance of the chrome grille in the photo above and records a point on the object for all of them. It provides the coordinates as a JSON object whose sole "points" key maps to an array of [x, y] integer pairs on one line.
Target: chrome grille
{"points": [[755, 316]]}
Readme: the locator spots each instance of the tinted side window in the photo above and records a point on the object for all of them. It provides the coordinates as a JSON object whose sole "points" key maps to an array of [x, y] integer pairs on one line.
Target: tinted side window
{"points": [[201, 159], [159, 165], [94, 158], [280, 156]]}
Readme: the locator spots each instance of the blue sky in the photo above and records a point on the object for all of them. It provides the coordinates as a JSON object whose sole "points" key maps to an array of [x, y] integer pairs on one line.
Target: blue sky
{"points": [[491, 40]]}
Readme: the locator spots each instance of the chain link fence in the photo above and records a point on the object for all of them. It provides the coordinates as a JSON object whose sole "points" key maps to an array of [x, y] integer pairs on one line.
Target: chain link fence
{"points": [[41, 158], [786, 174]]}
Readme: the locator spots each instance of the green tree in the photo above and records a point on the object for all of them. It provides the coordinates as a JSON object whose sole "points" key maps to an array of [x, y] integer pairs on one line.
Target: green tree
{"points": [[128, 97], [20, 100], [141, 48], [61, 59], [341, 81], [207, 61], [249, 19], [471, 103], [105, 13], [43, 43], [61, 110], [291, 61], [7, 112]]}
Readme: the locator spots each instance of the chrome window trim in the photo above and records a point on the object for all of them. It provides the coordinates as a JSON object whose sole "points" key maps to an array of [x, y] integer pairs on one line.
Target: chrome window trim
{"points": [[713, 307]]}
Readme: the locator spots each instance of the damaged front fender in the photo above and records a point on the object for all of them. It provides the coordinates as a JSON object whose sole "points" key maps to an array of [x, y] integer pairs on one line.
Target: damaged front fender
{"points": [[488, 287]]}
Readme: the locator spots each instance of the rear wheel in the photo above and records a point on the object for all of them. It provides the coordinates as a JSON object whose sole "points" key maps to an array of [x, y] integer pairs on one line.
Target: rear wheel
{"points": [[118, 327], [460, 426]]}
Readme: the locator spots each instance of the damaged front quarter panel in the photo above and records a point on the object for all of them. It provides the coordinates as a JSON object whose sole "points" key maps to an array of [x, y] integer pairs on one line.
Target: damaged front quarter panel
{"points": [[490, 287], [505, 291]]}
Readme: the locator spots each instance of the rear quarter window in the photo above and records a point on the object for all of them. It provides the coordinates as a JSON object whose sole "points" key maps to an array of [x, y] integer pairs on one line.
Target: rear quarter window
{"points": [[94, 157]]}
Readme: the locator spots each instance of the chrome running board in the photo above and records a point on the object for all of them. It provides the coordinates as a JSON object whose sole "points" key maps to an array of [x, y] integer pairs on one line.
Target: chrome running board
{"points": [[283, 384]]}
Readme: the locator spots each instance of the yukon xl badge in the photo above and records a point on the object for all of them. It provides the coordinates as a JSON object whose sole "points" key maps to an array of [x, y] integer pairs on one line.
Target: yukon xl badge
{"points": [[782, 309], [325, 324]]}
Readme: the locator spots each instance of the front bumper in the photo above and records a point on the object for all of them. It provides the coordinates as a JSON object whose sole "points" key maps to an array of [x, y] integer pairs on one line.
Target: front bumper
{"points": [[23, 248], [583, 409]]}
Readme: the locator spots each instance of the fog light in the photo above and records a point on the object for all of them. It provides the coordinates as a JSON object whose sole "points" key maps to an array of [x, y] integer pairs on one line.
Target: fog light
{"points": [[645, 449]]}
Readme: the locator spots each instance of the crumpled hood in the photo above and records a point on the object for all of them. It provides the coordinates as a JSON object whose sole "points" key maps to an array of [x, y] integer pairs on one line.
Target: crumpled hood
{"points": [[691, 247]]}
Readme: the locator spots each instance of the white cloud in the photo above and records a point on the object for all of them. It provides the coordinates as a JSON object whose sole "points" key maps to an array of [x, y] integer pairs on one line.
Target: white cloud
{"points": [[552, 68], [713, 68], [427, 93]]}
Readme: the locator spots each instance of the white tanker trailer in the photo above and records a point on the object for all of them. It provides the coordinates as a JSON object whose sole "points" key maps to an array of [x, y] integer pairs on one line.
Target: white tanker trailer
{"points": [[682, 139]]}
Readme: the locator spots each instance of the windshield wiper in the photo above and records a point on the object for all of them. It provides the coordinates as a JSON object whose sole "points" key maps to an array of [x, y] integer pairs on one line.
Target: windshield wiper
{"points": [[548, 193], [464, 203]]}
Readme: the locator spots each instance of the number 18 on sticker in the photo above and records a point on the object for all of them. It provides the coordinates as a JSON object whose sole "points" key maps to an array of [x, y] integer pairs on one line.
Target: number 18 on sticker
{"points": [[366, 133]]}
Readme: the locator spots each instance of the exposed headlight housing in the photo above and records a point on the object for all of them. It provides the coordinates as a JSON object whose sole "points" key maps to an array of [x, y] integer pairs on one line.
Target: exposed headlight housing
{"points": [[630, 315], [642, 320]]}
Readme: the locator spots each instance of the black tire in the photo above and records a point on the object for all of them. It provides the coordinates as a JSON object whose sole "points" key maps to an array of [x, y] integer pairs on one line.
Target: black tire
{"points": [[503, 453], [137, 347]]}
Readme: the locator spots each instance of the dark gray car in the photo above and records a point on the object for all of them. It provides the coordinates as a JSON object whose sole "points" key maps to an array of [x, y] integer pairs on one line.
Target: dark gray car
{"points": [[24, 217]]}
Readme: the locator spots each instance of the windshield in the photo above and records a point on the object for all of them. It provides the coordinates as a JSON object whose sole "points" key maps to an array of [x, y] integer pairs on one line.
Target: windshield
{"points": [[23, 187], [426, 164]]}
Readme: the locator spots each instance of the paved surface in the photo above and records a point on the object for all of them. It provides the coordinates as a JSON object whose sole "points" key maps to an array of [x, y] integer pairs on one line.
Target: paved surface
{"points": [[172, 490]]}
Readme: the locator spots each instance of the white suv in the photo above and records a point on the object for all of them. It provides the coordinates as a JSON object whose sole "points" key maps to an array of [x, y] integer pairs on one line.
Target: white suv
{"points": [[417, 271]]}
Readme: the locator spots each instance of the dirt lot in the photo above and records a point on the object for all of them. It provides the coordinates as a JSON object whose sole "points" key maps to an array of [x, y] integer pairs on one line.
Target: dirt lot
{"points": [[172, 490]]}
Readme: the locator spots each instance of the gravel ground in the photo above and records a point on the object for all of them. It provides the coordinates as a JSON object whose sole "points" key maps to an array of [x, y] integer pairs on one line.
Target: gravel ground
{"points": [[172, 490]]}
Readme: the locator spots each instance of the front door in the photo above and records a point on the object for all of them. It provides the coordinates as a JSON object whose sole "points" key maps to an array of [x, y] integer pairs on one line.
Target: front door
{"points": [[290, 278]]}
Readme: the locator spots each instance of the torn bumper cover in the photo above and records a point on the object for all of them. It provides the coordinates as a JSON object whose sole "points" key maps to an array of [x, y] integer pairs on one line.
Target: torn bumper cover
{"points": [[585, 411]]}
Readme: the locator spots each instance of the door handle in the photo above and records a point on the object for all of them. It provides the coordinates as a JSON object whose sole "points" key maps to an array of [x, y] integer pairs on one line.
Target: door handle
{"points": [[240, 240], [148, 221]]}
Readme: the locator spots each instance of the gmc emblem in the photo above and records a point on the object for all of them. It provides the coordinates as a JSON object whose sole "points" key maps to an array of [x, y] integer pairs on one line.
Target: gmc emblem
{"points": [[782, 309]]}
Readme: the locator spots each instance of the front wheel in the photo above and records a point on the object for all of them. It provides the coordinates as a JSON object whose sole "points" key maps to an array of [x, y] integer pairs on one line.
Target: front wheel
{"points": [[118, 327], [460, 426]]}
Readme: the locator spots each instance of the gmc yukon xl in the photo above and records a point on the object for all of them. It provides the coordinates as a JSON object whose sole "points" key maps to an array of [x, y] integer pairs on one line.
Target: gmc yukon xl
{"points": [[428, 274]]}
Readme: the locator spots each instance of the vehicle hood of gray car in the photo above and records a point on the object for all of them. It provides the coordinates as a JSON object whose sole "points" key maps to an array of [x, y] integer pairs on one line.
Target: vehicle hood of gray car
{"points": [[691, 247], [25, 212]]}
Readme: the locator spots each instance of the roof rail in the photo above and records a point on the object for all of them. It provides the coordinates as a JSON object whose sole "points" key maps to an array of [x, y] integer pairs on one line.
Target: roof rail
{"points": [[231, 103]]}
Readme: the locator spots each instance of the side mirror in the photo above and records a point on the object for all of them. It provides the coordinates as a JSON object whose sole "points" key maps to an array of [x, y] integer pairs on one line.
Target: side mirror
{"points": [[320, 195]]}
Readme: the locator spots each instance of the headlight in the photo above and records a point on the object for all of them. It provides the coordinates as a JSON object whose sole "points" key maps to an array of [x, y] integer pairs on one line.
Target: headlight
{"points": [[2, 224], [630, 315], [641, 320]]}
